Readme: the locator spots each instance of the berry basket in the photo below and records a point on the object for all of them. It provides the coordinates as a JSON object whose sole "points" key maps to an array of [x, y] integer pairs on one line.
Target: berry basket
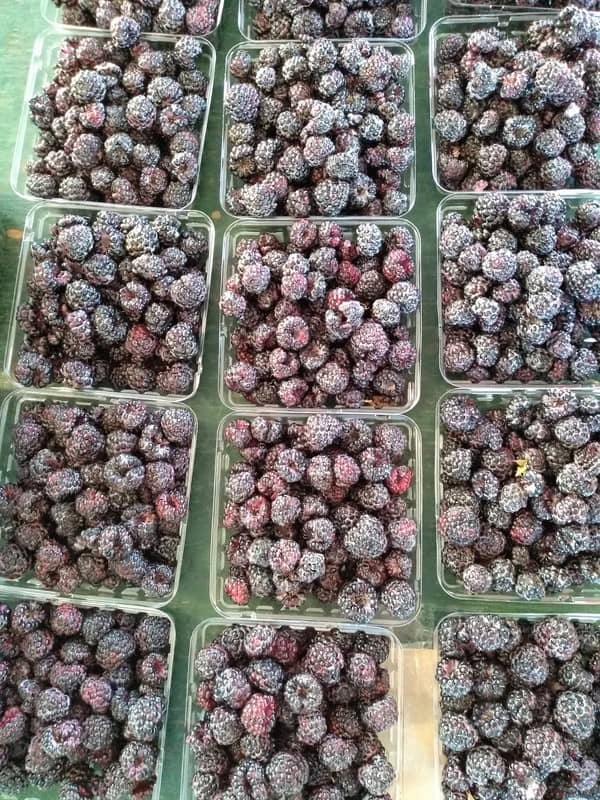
{"points": [[393, 739], [587, 594], [228, 181], [53, 14], [252, 229], [439, 757], [43, 61], [28, 585], [464, 203], [509, 23], [38, 224], [247, 15], [33, 793], [312, 610]]}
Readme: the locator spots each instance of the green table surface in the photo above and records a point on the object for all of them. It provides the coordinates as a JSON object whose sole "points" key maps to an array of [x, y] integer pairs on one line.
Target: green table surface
{"points": [[20, 23]]}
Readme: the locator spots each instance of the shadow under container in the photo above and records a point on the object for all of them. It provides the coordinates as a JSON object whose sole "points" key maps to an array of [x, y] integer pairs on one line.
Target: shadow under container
{"points": [[509, 23], [486, 401], [43, 63], [438, 753], [38, 223], [464, 203], [32, 793], [393, 739], [53, 14], [247, 15], [28, 586], [252, 229], [312, 610], [229, 181]]}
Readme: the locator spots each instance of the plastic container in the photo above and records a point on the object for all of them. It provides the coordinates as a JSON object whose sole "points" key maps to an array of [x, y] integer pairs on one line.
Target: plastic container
{"points": [[509, 23], [228, 181], [28, 585], [37, 226], [466, 7], [53, 14], [464, 203], [438, 753], [312, 610], [247, 14], [43, 61], [392, 739], [30, 792], [245, 229], [587, 594]]}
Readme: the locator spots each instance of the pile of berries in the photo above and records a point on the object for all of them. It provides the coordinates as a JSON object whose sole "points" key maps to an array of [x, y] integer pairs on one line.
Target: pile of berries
{"points": [[193, 17], [82, 700], [320, 507], [521, 506], [115, 300], [99, 497], [282, 19], [322, 317], [520, 111], [292, 714], [519, 707], [120, 121], [319, 129], [520, 289]]}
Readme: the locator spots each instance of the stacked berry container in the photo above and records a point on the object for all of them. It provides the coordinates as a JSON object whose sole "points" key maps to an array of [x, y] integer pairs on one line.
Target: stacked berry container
{"points": [[30, 145], [39, 225], [390, 738], [55, 690], [474, 147], [292, 195], [503, 664], [268, 607], [405, 21], [22, 579], [201, 19], [515, 583], [411, 322], [534, 290]]}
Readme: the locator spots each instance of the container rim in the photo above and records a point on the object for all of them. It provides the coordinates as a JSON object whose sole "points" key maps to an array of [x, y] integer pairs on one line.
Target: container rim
{"points": [[395, 45], [56, 34], [189, 215], [246, 614], [225, 328]]}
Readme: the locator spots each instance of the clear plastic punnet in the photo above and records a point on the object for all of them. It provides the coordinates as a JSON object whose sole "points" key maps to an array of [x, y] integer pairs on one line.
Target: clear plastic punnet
{"points": [[252, 229], [439, 758], [587, 594], [247, 14], [54, 15], [508, 22], [43, 61], [312, 610], [393, 739], [33, 793], [464, 203], [38, 223], [29, 586], [228, 181]]}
